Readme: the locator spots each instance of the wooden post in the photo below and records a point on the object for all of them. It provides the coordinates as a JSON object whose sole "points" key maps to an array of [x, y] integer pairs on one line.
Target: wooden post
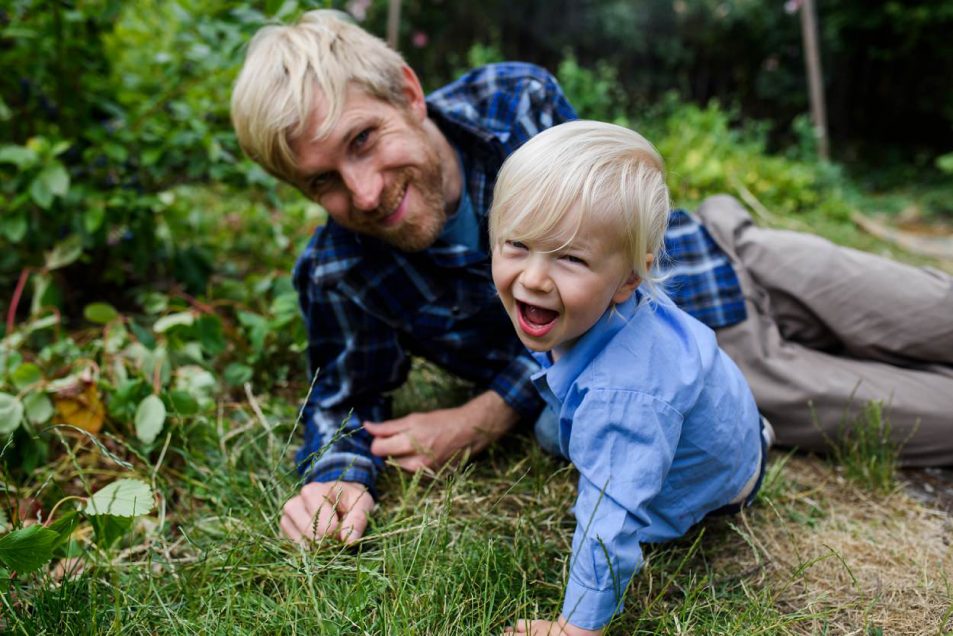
{"points": [[393, 23], [815, 78]]}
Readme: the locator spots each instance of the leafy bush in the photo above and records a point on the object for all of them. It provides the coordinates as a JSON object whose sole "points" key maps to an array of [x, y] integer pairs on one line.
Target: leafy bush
{"points": [[108, 106]]}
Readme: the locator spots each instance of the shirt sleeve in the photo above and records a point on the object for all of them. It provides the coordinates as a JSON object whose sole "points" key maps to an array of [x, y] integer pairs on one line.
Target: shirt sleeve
{"points": [[354, 359], [623, 444]]}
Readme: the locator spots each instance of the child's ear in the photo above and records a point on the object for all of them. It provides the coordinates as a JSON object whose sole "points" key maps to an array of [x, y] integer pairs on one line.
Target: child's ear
{"points": [[631, 283], [626, 289]]}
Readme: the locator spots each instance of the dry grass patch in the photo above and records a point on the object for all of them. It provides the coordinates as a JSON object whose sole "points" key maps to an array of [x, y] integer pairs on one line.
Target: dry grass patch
{"points": [[848, 560]]}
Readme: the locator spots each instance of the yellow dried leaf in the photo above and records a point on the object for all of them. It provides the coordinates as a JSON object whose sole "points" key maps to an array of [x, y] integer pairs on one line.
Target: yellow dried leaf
{"points": [[84, 410]]}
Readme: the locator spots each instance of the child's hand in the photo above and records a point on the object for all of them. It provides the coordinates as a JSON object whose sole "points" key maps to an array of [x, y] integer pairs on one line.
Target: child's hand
{"points": [[561, 627]]}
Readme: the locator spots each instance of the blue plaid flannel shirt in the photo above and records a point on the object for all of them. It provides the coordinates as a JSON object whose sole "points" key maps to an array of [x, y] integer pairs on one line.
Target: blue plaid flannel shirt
{"points": [[368, 307]]}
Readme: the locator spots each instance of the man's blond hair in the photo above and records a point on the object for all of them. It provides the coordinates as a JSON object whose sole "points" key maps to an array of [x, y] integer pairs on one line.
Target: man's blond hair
{"points": [[581, 169], [289, 67]]}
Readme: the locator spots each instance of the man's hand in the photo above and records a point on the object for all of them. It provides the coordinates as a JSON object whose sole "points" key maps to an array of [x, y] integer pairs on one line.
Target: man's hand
{"points": [[430, 440], [562, 627], [338, 510]]}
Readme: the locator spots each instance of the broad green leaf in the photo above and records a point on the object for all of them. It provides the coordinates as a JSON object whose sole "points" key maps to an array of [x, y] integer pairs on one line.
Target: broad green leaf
{"points": [[93, 218], [64, 526], [56, 178], [183, 403], [237, 374], [40, 192], [121, 498], [209, 332], [100, 313], [17, 155], [38, 407], [109, 529], [183, 318], [25, 375], [27, 549], [150, 416], [9, 360], [11, 413], [14, 226], [64, 252]]}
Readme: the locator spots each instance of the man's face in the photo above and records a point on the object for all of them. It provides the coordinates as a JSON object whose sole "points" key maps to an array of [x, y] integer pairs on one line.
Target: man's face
{"points": [[378, 172]]}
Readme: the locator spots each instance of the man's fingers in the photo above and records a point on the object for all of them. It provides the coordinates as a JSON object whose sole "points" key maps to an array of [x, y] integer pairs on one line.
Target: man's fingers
{"points": [[385, 429], [413, 463], [393, 446]]}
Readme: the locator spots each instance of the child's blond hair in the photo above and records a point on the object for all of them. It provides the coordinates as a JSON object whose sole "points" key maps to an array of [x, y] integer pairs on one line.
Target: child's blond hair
{"points": [[289, 67], [585, 168]]}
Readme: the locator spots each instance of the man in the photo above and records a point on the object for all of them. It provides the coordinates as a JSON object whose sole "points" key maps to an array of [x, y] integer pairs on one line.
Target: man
{"points": [[402, 268]]}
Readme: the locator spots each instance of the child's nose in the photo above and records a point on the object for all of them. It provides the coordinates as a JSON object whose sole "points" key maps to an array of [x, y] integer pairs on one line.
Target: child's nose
{"points": [[536, 275]]}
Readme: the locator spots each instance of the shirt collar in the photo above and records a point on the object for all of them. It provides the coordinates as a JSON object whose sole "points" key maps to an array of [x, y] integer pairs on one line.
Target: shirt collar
{"points": [[559, 376]]}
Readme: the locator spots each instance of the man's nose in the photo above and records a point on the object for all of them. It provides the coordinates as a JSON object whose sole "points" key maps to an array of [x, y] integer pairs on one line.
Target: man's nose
{"points": [[364, 184], [535, 276]]}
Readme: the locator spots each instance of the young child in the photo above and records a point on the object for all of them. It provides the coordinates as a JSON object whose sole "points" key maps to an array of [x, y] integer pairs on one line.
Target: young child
{"points": [[656, 418]]}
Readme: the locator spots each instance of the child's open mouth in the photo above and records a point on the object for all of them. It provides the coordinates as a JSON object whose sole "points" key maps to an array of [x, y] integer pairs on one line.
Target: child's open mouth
{"points": [[536, 321]]}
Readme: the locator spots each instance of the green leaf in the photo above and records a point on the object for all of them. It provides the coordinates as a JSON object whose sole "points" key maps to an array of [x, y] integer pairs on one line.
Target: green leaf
{"points": [[109, 529], [14, 226], [945, 163], [39, 408], [183, 403], [121, 498], [237, 374], [150, 416], [25, 375], [64, 252], [100, 313], [11, 413], [64, 527], [56, 179], [183, 318], [208, 329], [19, 156], [93, 218], [27, 549], [41, 193]]}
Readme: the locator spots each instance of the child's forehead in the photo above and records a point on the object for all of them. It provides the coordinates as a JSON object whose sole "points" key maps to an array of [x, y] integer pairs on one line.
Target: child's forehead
{"points": [[575, 226]]}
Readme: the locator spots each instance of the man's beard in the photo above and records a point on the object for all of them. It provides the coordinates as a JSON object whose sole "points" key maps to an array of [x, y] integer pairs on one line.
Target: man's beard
{"points": [[421, 225]]}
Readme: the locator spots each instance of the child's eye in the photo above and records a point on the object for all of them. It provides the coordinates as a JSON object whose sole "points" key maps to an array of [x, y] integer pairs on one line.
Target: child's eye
{"points": [[569, 258], [516, 245]]}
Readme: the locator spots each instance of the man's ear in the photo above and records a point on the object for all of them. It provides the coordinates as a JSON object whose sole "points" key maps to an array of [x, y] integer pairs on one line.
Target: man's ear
{"points": [[414, 94]]}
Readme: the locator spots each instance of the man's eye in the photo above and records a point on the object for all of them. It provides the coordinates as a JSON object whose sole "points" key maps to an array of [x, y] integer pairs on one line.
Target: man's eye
{"points": [[321, 181], [361, 138]]}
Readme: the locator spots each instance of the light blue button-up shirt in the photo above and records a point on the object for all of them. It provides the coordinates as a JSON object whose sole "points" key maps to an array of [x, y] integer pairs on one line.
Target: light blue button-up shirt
{"points": [[662, 428]]}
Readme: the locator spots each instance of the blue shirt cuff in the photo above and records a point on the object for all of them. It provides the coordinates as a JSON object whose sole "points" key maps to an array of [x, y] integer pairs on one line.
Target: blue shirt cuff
{"points": [[588, 608], [343, 467]]}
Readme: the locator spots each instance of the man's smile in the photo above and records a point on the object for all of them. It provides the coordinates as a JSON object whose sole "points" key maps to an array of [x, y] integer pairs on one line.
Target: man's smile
{"points": [[397, 212]]}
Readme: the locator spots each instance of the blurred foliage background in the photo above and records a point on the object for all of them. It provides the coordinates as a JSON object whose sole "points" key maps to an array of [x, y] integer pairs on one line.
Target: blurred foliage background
{"points": [[110, 109]]}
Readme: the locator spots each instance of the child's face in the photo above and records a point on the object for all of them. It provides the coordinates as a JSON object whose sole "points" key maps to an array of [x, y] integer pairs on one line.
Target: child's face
{"points": [[554, 297]]}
